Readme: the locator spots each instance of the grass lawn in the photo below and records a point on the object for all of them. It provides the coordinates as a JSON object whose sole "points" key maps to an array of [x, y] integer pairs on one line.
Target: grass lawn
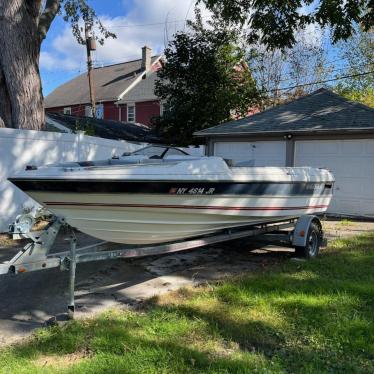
{"points": [[300, 317]]}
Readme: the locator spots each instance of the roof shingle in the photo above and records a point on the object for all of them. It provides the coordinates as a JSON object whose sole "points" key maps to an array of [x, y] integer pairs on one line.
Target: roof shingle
{"points": [[321, 111], [109, 83], [143, 91], [107, 129]]}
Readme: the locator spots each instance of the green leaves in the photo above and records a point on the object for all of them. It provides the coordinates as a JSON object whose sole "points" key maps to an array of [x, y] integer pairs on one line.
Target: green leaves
{"points": [[75, 11], [273, 23], [358, 52], [204, 80]]}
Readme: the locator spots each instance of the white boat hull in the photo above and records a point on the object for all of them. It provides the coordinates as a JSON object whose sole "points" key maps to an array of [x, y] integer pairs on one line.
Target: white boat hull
{"points": [[174, 200], [147, 219]]}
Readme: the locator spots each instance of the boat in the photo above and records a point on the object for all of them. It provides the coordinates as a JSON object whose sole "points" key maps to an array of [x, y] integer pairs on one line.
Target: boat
{"points": [[162, 194]]}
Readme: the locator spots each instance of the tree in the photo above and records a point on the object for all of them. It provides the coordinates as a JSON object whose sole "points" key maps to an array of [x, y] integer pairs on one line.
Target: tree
{"points": [[296, 67], [358, 54], [204, 81], [24, 25], [273, 23]]}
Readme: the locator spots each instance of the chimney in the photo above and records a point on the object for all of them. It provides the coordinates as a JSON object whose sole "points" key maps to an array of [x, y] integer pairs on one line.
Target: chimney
{"points": [[146, 58]]}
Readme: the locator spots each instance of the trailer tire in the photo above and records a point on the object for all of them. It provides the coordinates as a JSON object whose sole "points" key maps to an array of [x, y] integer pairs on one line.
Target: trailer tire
{"points": [[314, 241]]}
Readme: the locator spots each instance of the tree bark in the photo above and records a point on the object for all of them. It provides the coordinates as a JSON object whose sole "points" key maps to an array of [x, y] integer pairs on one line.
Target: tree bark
{"points": [[21, 99], [5, 107]]}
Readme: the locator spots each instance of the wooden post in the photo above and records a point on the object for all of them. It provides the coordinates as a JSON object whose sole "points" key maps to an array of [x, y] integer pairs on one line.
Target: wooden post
{"points": [[90, 46]]}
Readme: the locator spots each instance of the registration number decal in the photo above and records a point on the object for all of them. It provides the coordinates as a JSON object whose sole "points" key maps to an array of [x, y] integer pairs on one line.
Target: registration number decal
{"points": [[192, 191]]}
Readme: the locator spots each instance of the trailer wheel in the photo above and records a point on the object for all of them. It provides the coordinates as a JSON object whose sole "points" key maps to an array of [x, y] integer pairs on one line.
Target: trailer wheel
{"points": [[314, 240]]}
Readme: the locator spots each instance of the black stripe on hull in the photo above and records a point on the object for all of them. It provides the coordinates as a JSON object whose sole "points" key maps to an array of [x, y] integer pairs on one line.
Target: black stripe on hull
{"points": [[176, 187], [54, 204]]}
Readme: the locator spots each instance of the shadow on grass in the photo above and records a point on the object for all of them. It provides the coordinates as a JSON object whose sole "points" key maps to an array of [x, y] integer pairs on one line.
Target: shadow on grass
{"points": [[315, 316], [113, 345]]}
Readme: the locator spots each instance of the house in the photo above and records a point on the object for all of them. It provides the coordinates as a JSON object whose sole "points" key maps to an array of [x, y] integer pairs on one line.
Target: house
{"points": [[322, 129], [123, 92], [108, 129]]}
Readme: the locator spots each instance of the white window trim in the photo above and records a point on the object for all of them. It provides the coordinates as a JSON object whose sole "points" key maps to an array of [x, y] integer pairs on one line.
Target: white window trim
{"points": [[133, 106], [88, 111], [67, 110], [161, 108]]}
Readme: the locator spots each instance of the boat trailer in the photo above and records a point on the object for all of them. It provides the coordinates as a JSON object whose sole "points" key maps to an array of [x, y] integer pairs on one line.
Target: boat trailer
{"points": [[304, 234]]}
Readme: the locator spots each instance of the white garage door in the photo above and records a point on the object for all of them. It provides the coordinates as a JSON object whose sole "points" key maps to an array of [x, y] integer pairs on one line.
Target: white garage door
{"points": [[260, 153], [352, 163]]}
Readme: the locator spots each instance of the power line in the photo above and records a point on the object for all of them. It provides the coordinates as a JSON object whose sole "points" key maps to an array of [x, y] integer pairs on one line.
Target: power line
{"points": [[147, 24], [323, 81], [328, 73]]}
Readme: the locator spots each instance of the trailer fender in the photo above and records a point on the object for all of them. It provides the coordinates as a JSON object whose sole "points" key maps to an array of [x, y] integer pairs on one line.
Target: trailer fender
{"points": [[301, 229]]}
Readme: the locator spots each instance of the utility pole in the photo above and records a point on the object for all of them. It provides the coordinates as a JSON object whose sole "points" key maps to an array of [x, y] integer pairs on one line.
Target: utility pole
{"points": [[91, 46]]}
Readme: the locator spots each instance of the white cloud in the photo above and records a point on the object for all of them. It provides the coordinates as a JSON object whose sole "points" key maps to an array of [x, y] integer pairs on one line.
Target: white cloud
{"points": [[67, 54]]}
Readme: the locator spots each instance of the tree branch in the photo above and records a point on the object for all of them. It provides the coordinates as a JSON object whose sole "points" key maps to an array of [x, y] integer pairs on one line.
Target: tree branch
{"points": [[51, 9]]}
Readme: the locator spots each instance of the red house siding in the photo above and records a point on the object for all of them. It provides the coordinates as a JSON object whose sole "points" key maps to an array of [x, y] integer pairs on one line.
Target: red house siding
{"points": [[111, 111], [76, 110], [146, 110], [123, 109]]}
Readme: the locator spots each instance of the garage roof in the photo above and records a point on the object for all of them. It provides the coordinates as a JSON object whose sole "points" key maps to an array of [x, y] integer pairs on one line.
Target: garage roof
{"points": [[106, 128], [321, 111]]}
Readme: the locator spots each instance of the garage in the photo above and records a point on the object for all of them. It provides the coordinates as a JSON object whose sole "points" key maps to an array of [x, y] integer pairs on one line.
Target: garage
{"points": [[259, 153], [352, 162], [322, 129]]}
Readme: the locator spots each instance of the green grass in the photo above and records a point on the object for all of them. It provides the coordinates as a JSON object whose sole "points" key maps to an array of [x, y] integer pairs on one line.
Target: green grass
{"points": [[345, 222], [309, 317]]}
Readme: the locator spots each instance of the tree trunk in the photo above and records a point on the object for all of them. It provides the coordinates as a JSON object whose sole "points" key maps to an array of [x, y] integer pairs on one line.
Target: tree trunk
{"points": [[21, 99], [5, 108]]}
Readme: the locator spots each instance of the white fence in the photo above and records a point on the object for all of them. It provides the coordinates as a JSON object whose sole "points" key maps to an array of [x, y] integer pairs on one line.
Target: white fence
{"points": [[19, 148]]}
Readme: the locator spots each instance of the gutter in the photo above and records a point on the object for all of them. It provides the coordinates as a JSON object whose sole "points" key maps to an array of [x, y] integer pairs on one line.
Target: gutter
{"points": [[356, 130]]}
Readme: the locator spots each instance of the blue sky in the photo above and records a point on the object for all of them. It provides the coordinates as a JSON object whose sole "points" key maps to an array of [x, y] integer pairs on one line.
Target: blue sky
{"points": [[133, 21]]}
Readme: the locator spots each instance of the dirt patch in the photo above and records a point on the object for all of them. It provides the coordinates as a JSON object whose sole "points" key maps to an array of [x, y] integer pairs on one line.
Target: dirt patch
{"points": [[61, 361], [345, 228], [6, 241]]}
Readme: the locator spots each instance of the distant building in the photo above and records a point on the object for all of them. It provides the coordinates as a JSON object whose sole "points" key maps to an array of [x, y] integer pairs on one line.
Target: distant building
{"points": [[123, 92]]}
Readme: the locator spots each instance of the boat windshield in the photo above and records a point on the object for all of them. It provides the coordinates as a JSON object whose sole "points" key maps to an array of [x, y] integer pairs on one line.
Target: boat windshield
{"points": [[158, 152]]}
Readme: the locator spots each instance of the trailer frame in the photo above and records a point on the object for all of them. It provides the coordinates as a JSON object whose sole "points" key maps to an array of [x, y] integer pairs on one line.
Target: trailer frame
{"points": [[36, 255]]}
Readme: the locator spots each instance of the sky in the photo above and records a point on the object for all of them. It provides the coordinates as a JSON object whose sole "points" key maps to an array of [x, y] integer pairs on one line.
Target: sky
{"points": [[135, 22]]}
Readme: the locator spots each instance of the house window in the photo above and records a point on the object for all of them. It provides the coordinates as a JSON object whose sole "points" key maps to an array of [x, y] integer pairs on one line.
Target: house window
{"points": [[164, 107], [100, 111], [67, 110], [88, 111], [130, 113]]}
